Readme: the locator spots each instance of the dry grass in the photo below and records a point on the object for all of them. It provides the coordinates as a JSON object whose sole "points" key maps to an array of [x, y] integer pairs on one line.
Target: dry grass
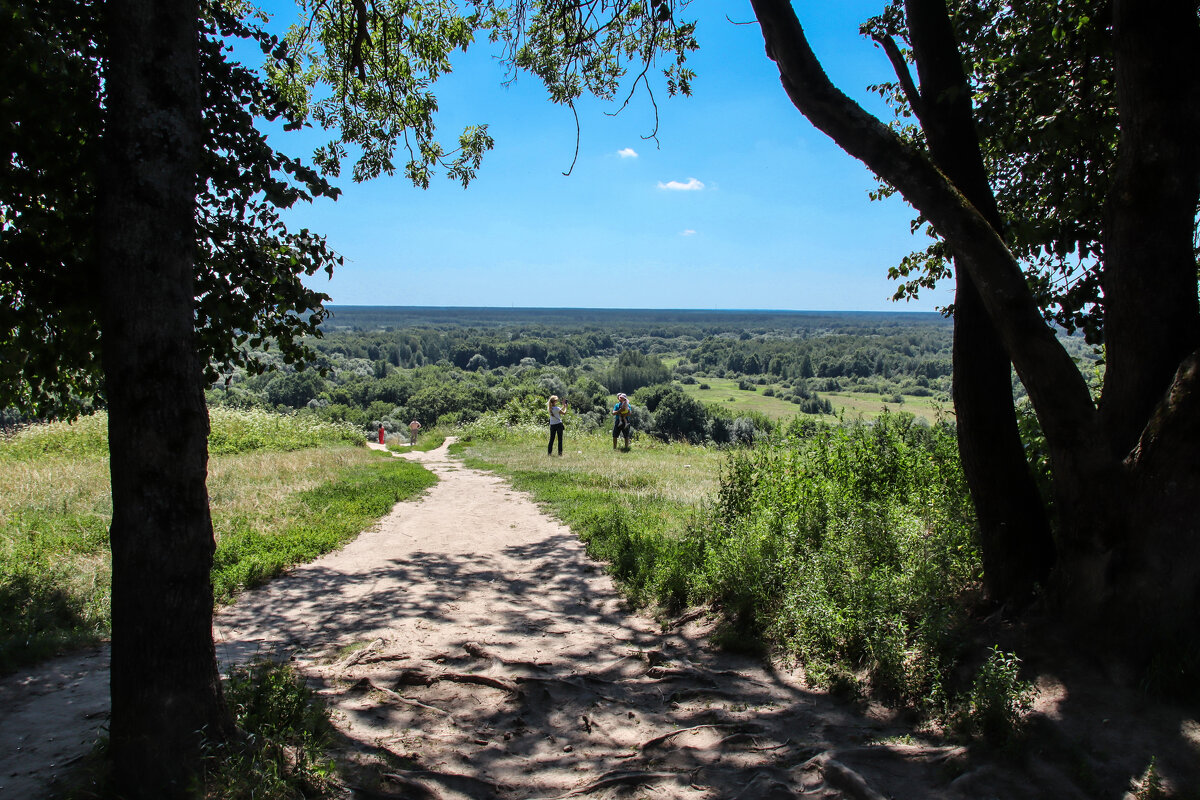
{"points": [[55, 509], [254, 486]]}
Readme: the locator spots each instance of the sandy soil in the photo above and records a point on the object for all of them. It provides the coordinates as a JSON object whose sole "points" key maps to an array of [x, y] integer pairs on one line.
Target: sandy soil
{"points": [[470, 649]]}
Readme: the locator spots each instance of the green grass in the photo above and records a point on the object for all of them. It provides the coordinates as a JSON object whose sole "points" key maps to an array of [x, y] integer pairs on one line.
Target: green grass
{"points": [[726, 392], [851, 405], [270, 509], [308, 523]]}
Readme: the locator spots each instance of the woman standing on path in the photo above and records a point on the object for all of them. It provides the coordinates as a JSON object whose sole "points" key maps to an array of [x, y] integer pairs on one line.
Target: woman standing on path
{"points": [[556, 423], [621, 424]]}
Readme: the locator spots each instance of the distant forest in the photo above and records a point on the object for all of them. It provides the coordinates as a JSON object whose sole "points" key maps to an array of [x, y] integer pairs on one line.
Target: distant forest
{"points": [[386, 366]]}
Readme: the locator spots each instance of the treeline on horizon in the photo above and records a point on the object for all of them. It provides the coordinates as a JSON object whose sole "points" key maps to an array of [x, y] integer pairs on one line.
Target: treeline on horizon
{"points": [[388, 366]]}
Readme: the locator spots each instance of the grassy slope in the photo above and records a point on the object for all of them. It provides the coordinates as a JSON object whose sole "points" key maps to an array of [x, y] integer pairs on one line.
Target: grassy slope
{"points": [[271, 509]]}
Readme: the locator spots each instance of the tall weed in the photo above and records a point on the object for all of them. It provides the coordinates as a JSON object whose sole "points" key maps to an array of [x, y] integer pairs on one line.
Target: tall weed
{"points": [[849, 545], [286, 732]]}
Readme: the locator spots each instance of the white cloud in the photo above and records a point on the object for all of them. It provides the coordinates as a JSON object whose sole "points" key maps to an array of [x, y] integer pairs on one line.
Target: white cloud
{"points": [[692, 185], [688, 232], [627, 152]]}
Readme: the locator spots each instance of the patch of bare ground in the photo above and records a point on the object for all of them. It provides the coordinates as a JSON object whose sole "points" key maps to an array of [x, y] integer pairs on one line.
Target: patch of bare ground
{"points": [[468, 648]]}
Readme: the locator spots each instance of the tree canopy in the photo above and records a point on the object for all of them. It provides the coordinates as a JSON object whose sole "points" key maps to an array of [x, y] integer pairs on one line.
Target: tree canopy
{"points": [[1128, 543]]}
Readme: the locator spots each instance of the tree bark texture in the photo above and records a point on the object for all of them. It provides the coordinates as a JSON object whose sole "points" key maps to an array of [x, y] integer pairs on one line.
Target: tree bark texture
{"points": [[1128, 550], [1150, 212], [1014, 532], [164, 682]]}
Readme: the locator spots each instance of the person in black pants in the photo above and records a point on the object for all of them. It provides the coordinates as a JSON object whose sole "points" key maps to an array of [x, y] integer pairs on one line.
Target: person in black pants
{"points": [[556, 424]]}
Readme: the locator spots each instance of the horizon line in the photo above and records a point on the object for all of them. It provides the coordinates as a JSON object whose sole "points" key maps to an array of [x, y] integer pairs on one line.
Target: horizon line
{"points": [[331, 306]]}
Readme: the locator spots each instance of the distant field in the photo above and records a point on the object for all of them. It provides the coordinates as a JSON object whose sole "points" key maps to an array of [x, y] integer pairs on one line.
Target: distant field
{"points": [[725, 391], [869, 406]]}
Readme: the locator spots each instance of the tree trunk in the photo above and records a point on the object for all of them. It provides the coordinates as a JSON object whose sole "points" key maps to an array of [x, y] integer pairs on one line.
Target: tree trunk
{"points": [[1129, 542], [1014, 533], [1015, 540], [164, 683], [1150, 213]]}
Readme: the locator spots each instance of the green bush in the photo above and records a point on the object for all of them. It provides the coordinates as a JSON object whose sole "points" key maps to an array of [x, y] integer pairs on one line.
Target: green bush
{"points": [[850, 546], [998, 701]]}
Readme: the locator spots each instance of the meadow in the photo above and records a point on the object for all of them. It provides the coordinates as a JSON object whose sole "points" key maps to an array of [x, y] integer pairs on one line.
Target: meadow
{"points": [[283, 489], [847, 405]]}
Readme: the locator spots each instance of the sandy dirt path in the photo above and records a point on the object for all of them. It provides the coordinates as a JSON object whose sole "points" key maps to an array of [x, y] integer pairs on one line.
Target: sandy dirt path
{"points": [[468, 648], [495, 659]]}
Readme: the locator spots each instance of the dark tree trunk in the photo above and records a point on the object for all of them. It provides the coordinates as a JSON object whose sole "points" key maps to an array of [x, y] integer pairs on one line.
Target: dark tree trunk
{"points": [[1129, 542], [165, 687], [1015, 538], [1014, 534], [1150, 213]]}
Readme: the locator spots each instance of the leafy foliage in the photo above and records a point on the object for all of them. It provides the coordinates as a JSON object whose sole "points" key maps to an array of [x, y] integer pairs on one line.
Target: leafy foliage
{"points": [[999, 699], [1045, 110], [247, 281], [852, 545], [365, 71]]}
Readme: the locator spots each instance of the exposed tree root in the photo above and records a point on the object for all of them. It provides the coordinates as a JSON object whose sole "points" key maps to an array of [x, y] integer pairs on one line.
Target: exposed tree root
{"points": [[358, 655], [419, 677], [615, 778], [701, 691], [576, 682], [715, 726], [843, 778], [458, 781], [366, 683]]}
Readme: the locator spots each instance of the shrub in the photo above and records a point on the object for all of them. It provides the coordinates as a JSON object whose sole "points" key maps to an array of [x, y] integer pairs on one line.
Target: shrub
{"points": [[851, 546], [999, 699]]}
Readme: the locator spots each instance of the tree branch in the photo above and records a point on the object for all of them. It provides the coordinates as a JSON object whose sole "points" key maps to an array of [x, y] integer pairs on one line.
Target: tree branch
{"points": [[902, 74], [1055, 386]]}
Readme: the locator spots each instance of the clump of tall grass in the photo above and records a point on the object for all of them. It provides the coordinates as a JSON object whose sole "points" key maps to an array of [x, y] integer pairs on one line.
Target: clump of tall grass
{"points": [[851, 546], [244, 430], [86, 436], [285, 735]]}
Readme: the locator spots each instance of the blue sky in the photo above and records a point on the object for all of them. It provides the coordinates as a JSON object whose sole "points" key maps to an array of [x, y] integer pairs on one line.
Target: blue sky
{"points": [[740, 204]]}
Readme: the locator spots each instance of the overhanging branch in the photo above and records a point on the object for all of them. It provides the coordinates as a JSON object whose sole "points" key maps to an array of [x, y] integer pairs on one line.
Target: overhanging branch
{"points": [[1056, 387]]}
